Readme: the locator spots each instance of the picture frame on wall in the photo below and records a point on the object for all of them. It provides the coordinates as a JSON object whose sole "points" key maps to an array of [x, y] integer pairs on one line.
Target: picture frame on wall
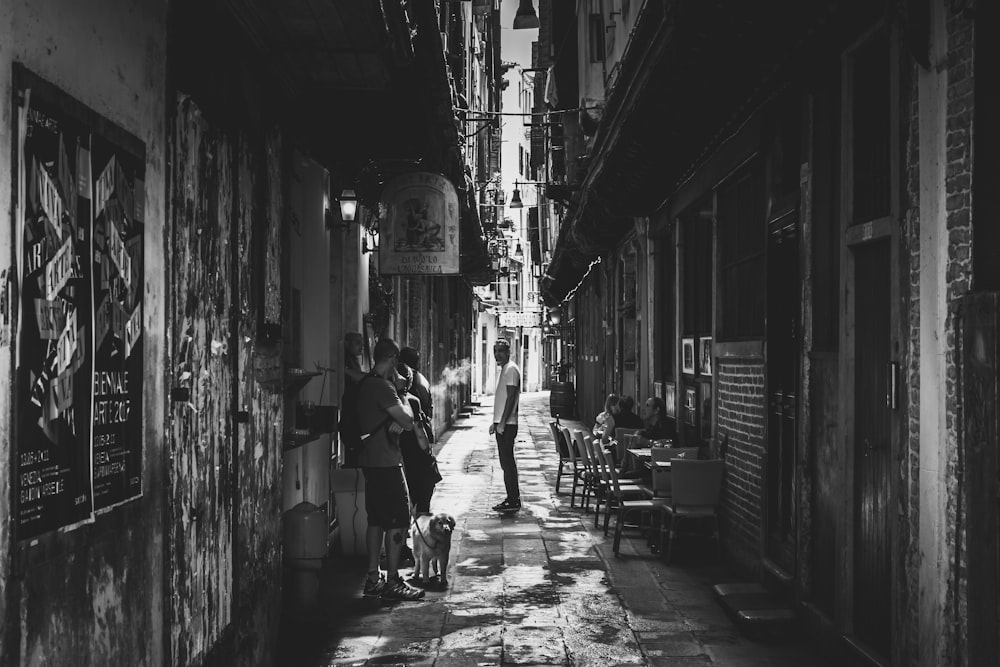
{"points": [[670, 398], [705, 355], [691, 406], [687, 356]]}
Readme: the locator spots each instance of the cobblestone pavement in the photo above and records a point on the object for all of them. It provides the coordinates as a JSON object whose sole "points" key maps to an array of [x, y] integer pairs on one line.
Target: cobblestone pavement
{"points": [[539, 587]]}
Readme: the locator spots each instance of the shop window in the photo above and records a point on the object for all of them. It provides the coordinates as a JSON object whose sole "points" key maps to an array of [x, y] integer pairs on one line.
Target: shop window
{"points": [[742, 235]]}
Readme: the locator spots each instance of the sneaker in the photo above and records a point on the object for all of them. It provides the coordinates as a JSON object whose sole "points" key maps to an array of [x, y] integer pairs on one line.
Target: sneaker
{"points": [[397, 589], [508, 506], [373, 589]]}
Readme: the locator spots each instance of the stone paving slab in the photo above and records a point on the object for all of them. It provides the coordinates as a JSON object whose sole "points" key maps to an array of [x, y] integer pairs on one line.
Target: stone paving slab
{"points": [[537, 587]]}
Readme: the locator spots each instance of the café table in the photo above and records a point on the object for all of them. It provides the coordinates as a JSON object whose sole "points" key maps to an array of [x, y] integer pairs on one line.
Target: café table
{"points": [[638, 460]]}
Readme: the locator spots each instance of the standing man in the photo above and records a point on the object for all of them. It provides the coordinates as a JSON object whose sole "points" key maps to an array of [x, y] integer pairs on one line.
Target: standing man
{"points": [[382, 418], [421, 387], [505, 404]]}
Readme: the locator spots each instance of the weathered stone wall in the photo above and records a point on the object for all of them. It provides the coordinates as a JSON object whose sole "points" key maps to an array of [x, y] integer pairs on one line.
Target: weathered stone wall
{"points": [[933, 585], [92, 595]]}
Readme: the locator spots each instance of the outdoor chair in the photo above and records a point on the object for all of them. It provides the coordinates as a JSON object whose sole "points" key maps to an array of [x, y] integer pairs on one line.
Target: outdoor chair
{"points": [[617, 490], [622, 442], [562, 449], [590, 477], [695, 490], [576, 463], [628, 500]]}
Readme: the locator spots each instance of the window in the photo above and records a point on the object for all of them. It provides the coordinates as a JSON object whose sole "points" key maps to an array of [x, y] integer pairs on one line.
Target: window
{"points": [[520, 160], [596, 38], [742, 235]]}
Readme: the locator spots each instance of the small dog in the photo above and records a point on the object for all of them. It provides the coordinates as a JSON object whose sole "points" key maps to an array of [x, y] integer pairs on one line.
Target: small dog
{"points": [[432, 546]]}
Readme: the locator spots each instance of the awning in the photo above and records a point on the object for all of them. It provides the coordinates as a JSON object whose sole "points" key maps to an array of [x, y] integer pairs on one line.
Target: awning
{"points": [[693, 71]]}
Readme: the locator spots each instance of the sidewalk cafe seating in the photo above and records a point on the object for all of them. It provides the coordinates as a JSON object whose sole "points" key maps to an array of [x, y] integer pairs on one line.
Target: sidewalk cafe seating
{"points": [[627, 501], [562, 448], [695, 490], [618, 491], [623, 440], [576, 463], [607, 490], [660, 487], [591, 481]]}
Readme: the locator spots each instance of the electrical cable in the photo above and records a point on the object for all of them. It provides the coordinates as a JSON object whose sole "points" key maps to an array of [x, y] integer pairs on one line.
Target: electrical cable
{"points": [[527, 113]]}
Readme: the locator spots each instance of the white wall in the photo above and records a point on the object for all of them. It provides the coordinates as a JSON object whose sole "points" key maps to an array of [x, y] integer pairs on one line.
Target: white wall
{"points": [[306, 468]]}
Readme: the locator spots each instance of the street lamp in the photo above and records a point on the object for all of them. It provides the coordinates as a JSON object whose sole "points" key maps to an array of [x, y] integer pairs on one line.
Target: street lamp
{"points": [[515, 197], [526, 16], [348, 205]]}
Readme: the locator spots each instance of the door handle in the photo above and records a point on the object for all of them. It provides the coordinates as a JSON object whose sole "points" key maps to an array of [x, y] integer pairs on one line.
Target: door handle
{"points": [[892, 385]]}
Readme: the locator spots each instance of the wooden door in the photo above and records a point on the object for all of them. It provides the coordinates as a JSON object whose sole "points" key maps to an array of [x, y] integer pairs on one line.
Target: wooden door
{"points": [[874, 377], [783, 316]]}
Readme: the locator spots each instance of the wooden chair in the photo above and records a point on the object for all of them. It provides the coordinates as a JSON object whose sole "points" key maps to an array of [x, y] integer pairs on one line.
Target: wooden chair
{"points": [[576, 463], [622, 442], [562, 449], [626, 505], [605, 489], [695, 490], [617, 490], [590, 476]]}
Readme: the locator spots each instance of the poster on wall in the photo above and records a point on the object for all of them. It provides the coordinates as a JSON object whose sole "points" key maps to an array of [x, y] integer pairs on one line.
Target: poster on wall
{"points": [[118, 285], [419, 226], [59, 383]]}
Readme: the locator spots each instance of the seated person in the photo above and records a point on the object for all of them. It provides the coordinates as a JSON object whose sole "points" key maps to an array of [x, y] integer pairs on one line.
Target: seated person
{"points": [[655, 426], [622, 416], [602, 419]]}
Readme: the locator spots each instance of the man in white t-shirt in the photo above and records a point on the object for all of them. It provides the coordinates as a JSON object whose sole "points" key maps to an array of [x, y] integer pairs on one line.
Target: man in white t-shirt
{"points": [[505, 403]]}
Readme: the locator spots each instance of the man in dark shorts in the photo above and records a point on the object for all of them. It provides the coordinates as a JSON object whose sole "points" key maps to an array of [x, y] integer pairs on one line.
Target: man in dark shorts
{"points": [[382, 418]]}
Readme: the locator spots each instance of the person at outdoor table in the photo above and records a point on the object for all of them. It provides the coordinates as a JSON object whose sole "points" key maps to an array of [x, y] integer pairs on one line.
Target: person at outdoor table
{"points": [[654, 418], [622, 416], [602, 419]]}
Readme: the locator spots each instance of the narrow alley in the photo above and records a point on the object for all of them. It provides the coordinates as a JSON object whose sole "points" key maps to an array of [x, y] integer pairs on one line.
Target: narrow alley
{"points": [[539, 587]]}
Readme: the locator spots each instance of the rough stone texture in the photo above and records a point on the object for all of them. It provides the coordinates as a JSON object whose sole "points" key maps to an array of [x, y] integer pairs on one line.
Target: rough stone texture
{"points": [[958, 186], [958, 208], [741, 416], [910, 464], [91, 595], [225, 509]]}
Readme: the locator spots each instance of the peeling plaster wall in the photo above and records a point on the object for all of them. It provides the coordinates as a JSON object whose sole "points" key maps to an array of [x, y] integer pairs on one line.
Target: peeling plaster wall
{"points": [[92, 595]]}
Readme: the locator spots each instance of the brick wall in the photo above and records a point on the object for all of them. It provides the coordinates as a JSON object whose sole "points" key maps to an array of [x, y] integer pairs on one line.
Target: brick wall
{"points": [[741, 415], [958, 222]]}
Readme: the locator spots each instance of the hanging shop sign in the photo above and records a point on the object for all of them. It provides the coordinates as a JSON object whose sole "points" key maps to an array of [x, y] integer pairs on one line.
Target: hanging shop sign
{"points": [[419, 226], [521, 319], [78, 388]]}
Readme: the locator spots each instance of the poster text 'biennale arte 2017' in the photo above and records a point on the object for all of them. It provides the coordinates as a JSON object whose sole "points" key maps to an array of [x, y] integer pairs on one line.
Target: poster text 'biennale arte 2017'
{"points": [[79, 221]]}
